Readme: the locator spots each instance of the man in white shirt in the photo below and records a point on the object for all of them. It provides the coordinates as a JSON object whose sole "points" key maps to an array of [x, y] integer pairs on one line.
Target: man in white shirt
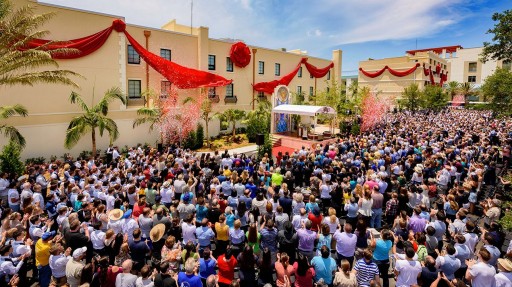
{"points": [[13, 197], [98, 238], [37, 196], [408, 270], [504, 277], [58, 260], [481, 273], [129, 225], [4, 185], [26, 192], [126, 279], [74, 267], [299, 219]]}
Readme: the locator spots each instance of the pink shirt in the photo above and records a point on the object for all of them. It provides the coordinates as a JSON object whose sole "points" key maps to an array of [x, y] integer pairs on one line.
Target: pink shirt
{"points": [[303, 281], [281, 272]]}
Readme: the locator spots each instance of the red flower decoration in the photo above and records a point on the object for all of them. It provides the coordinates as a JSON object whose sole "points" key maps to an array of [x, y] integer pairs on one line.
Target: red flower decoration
{"points": [[240, 54], [119, 25]]}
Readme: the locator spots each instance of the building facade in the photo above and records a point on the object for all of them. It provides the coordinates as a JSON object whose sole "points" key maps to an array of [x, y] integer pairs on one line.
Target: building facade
{"points": [[116, 64]]}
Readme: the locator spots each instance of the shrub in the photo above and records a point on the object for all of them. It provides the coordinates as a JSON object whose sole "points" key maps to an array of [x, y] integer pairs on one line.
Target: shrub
{"points": [[35, 160], [190, 140], [266, 147], [10, 161], [199, 136], [356, 129]]}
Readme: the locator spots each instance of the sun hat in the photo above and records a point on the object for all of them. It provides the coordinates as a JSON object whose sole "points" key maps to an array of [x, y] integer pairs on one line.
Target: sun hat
{"points": [[79, 252], [166, 184], [157, 232], [115, 214], [505, 264]]}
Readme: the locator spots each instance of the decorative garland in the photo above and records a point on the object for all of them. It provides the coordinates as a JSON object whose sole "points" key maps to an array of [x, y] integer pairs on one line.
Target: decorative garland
{"points": [[181, 77], [240, 54], [391, 71], [268, 87]]}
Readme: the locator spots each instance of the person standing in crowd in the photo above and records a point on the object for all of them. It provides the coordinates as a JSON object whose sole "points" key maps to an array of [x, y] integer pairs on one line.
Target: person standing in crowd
{"points": [[366, 270], [480, 273], [75, 266]]}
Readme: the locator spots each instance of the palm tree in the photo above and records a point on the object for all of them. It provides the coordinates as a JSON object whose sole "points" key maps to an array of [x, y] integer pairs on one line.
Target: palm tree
{"points": [[10, 131], [453, 88], [232, 116], [152, 116], [467, 89], [27, 67], [93, 118], [412, 97]]}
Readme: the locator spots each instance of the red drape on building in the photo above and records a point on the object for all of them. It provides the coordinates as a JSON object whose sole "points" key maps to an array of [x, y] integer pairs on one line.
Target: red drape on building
{"points": [[438, 68], [374, 74], [83, 46], [182, 77], [432, 81], [268, 87], [426, 71], [403, 73], [240, 54], [318, 72]]}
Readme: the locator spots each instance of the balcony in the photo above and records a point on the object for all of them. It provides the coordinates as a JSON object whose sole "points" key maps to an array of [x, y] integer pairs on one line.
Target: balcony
{"points": [[214, 98], [230, 100]]}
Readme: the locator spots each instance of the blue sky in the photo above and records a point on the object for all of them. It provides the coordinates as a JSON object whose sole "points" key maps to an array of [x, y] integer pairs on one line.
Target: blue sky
{"points": [[361, 28]]}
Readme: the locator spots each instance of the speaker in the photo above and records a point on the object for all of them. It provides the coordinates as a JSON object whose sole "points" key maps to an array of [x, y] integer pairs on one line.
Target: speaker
{"points": [[260, 139], [160, 148]]}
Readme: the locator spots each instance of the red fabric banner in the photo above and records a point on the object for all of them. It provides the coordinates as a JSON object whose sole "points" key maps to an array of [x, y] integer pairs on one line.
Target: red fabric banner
{"points": [[432, 81], [374, 74], [240, 54], [426, 71], [438, 68], [318, 72], [268, 87], [84, 46], [181, 77], [403, 73]]}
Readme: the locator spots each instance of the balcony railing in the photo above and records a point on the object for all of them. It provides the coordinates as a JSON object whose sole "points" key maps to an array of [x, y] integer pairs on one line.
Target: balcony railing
{"points": [[214, 98], [230, 100]]}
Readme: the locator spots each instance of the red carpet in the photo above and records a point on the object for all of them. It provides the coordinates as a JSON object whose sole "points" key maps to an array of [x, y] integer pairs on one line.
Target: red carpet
{"points": [[282, 149]]}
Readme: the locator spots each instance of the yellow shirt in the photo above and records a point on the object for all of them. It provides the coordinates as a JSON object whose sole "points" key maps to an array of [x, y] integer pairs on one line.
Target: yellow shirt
{"points": [[222, 231], [42, 252]]}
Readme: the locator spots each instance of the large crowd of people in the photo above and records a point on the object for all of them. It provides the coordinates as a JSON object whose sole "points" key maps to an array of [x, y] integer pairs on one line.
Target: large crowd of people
{"points": [[417, 201]]}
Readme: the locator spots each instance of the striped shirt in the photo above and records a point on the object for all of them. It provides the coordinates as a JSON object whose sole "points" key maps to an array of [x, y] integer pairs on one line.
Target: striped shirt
{"points": [[365, 272]]}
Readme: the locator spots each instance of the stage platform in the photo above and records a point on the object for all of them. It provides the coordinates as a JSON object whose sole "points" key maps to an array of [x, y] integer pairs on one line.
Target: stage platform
{"points": [[290, 142]]}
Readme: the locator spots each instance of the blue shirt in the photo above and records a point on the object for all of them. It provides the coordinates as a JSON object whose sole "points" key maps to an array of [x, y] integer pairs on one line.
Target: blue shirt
{"points": [[206, 267], [324, 267], [201, 212], [382, 248], [204, 236], [192, 280], [269, 239]]}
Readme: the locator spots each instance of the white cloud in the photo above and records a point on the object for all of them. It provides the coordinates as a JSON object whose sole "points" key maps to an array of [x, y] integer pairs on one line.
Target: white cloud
{"points": [[281, 23]]}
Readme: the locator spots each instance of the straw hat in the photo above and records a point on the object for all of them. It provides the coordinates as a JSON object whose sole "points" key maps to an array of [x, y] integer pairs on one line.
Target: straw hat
{"points": [[115, 214], [157, 232], [505, 264]]}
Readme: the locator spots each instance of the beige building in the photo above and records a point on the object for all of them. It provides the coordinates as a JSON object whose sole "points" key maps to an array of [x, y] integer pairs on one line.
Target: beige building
{"points": [[391, 86], [117, 64], [465, 66]]}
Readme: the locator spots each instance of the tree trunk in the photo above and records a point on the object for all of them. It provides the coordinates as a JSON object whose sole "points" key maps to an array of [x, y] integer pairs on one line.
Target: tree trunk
{"points": [[234, 129], [93, 135], [207, 134]]}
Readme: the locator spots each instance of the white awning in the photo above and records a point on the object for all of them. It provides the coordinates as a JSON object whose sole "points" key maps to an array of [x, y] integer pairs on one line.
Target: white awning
{"points": [[303, 110]]}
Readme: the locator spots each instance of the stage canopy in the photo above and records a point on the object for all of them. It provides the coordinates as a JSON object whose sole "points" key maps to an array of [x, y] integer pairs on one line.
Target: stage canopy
{"points": [[303, 110]]}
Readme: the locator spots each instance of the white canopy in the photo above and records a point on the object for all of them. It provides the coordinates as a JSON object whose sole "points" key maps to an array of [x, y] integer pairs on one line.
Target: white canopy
{"points": [[303, 110]]}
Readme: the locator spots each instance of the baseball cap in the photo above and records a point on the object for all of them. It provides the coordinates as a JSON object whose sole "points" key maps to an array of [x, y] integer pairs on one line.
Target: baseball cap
{"points": [[79, 252], [48, 235]]}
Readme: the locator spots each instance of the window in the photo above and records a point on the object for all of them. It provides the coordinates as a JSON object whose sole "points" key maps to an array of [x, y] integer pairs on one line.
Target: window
{"points": [[261, 67], [211, 62], [229, 65], [311, 91], [165, 89], [310, 76], [134, 90], [133, 57], [165, 53], [229, 91], [278, 69], [212, 92], [507, 65], [329, 75], [299, 90], [472, 67], [300, 72], [471, 79], [261, 94]]}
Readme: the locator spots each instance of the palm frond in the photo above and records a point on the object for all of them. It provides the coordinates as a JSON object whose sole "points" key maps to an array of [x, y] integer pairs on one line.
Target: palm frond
{"points": [[9, 111], [75, 98], [188, 100], [13, 134], [149, 112], [111, 127], [76, 129], [112, 94], [46, 77]]}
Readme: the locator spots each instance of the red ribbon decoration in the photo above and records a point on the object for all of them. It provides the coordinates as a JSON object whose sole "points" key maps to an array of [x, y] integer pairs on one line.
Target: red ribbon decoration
{"points": [[426, 71], [374, 74], [181, 77], [240, 54], [438, 68], [318, 72], [268, 87], [391, 71]]}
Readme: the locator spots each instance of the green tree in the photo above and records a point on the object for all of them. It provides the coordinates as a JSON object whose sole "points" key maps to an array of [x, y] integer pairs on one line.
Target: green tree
{"points": [[434, 97], [501, 46], [412, 99], [497, 88], [10, 161], [199, 136], [258, 121], [467, 89], [151, 116], [232, 116], [10, 131], [452, 89], [94, 117], [190, 140], [27, 67]]}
